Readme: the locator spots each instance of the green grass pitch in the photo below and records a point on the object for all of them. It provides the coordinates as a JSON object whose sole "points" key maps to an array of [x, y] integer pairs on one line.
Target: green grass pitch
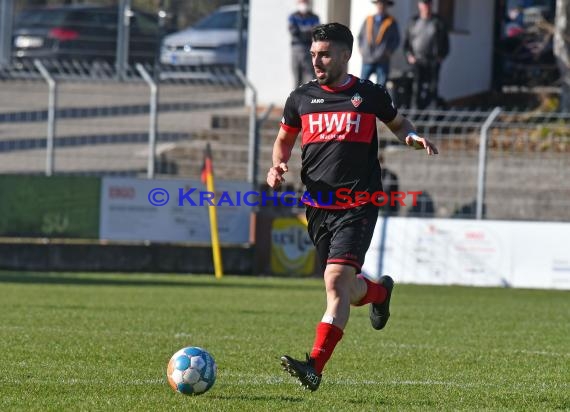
{"points": [[102, 342]]}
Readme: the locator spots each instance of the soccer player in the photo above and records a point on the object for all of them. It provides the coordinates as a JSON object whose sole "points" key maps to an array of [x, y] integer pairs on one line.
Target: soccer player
{"points": [[336, 116]]}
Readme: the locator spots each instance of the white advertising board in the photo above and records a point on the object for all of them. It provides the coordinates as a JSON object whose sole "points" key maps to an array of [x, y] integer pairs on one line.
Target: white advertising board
{"points": [[128, 212], [471, 252]]}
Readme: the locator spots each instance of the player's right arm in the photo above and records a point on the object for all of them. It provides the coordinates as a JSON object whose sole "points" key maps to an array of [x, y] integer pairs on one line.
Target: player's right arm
{"points": [[282, 149]]}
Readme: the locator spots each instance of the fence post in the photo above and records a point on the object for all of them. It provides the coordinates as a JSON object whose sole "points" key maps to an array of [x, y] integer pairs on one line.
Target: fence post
{"points": [[52, 106], [162, 15], [240, 48], [253, 131], [123, 36], [6, 16], [153, 117], [482, 170]]}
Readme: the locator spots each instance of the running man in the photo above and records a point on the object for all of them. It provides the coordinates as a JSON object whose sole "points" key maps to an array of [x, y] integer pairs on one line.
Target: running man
{"points": [[336, 116]]}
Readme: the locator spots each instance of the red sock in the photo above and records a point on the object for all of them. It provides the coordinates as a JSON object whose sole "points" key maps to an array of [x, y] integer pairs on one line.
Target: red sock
{"points": [[326, 339], [375, 293]]}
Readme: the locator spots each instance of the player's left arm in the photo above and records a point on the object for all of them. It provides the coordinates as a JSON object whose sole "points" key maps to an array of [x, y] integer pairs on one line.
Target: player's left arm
{"points": [[405, 131]]}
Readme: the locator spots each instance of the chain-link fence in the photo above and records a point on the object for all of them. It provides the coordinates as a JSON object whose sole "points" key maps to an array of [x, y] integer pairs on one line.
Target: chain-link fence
{"points": [[521, 172]]}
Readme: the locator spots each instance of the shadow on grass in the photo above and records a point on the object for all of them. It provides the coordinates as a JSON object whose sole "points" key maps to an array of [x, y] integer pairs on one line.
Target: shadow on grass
{"points": [[282, 398], [109, 280], [263, 398]]}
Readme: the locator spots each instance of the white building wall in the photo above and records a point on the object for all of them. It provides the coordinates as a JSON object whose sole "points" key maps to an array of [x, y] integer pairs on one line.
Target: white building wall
{"points": [[466, 71], [469, 66], [269, 50]]}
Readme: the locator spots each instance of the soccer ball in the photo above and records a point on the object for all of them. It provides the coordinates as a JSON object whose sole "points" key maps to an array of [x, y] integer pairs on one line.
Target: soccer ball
{"points": [[191, 371]]}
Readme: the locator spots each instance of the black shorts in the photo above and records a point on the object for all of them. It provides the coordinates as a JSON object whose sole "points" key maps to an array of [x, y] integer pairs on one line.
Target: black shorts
{"points": [[342, 236]]}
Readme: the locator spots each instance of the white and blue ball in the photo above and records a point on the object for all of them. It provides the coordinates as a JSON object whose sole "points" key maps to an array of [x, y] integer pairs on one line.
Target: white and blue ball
{"points": [[191, 371]]}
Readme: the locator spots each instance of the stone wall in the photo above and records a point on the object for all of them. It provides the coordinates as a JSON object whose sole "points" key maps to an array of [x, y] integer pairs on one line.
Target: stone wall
{"points": [[96, 257]]}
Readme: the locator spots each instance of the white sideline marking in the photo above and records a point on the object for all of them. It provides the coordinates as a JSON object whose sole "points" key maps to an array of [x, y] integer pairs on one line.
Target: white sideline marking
{"points": [[182, 335], [444, 348], [251, 379], [234, 337], [81, 381], [238, 379], [76, 331], [538, 352]]}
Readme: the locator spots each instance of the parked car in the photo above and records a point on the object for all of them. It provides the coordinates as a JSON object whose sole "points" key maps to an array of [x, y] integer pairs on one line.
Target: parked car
{"points": [[82, 32], [211, 41]]}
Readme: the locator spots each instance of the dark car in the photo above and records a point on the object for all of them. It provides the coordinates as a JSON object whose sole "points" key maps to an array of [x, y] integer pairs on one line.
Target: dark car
{"points": [[82, 32]]}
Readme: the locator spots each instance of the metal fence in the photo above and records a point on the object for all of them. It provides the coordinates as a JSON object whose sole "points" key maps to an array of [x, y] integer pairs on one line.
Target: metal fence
{"points": [[73, 117], [492, 164]]}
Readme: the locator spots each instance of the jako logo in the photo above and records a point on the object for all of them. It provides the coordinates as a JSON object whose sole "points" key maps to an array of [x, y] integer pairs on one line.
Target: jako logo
{"points": [[318, 101]]}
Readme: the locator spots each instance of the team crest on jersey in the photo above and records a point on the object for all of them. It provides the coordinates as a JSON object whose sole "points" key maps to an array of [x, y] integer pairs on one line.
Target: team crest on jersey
{"points": [[356, 100]]}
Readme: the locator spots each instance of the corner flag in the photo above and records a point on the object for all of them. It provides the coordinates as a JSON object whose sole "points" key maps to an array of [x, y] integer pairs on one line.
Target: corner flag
{"points": [[207, 176], [207, 168]]}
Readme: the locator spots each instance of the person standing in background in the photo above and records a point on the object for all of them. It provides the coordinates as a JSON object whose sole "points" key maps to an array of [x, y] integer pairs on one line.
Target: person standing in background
{"points": [[378, 39], [425, 47], [301, 24]]}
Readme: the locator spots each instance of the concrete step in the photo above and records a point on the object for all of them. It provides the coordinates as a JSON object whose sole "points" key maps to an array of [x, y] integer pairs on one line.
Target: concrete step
{"points": [[230, 160], [241, 122], [237, 137]]}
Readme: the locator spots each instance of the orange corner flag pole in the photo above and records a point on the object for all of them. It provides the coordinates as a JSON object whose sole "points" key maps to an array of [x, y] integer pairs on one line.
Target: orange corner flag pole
{"points": [[208, 180]]}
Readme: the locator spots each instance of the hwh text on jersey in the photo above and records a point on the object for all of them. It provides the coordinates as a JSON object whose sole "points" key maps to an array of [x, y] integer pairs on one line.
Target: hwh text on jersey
{"points": [[343, 121]]}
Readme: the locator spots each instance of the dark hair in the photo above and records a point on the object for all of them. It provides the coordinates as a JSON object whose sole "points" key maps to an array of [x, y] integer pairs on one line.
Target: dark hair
{"points": [[334, 32]]}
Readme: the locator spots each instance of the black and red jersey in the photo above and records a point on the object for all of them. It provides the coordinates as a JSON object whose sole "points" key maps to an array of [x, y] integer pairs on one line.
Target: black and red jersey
{"points": [[339, 139]]}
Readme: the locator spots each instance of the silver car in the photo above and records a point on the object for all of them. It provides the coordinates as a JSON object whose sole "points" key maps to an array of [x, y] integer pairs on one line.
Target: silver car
{"points": [[211, 41]]}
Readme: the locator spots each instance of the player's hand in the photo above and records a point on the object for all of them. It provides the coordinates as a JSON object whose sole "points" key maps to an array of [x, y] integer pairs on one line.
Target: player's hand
{"points": [[411, 59], [275, 176], [418, 142]]}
